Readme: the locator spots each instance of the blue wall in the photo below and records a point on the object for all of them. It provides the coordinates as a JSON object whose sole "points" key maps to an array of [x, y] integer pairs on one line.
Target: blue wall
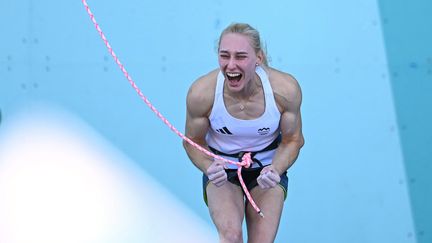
{"points": [[362, 175], [408, 46]]}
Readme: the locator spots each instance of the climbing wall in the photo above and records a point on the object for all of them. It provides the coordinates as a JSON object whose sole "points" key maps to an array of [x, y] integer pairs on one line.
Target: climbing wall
{"points": [[365, 73]]}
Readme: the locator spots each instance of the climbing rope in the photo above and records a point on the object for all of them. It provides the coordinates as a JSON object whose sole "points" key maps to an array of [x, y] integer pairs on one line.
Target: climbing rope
{"points": [[246, 159]]}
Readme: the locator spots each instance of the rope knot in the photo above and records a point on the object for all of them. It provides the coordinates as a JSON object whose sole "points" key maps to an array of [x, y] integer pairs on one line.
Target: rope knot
{"points": [[246, 160]]}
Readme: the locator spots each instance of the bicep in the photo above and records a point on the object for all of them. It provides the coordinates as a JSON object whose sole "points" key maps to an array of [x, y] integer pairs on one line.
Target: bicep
{"points": [[196, 127], [291, 126], [290, 100], [291, 122], [197, 122]]}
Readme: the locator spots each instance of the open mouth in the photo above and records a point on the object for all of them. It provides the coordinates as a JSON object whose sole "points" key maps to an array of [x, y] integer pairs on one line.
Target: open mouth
{"points": [[234, 77]]}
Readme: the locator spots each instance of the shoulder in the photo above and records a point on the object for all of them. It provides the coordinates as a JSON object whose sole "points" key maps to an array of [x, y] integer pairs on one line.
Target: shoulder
{"points": [[200, 96], [286, 89], [202, 89]]}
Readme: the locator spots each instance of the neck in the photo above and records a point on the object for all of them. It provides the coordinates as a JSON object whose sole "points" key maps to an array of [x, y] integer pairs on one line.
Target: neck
{"points": [[248, 91]]}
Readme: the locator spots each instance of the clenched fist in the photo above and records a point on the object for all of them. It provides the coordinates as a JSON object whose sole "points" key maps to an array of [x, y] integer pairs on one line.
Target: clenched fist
{"points": [[216, 173], [268, 177]]}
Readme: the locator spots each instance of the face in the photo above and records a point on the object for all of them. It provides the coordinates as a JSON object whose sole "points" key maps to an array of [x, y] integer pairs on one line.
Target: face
{"points": [[237, 60]]}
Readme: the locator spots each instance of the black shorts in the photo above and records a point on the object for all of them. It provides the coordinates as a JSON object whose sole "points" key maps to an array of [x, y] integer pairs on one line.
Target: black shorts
{"points": [[249, 177]]}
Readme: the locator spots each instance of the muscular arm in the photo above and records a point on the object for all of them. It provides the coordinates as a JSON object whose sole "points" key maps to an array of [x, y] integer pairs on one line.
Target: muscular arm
{"points": [[288, 98], [199, 102]]}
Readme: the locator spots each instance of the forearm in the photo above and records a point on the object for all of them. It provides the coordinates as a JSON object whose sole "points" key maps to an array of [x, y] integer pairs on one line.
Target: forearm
{"points": [[285, 156], [198, 158]]}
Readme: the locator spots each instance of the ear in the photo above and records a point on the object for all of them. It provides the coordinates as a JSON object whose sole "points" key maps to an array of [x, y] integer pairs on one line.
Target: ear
{"points": [[260, 57]]}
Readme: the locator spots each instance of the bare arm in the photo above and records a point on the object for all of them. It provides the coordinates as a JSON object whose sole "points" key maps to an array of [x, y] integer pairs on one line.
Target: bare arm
{"points": [[289, 99], [199, 102]]}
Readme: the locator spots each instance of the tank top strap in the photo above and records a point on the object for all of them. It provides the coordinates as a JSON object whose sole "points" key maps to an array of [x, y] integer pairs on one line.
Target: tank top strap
{"points": [[219, 84], [268, 91], [218, 94]]}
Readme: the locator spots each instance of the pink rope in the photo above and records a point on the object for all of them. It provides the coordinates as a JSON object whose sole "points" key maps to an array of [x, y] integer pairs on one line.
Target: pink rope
{"points": [[246, 160]]}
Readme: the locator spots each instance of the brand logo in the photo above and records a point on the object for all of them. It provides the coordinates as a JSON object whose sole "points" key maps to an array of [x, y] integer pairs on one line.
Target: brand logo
{"points": [[263, 131], [224, 130]]}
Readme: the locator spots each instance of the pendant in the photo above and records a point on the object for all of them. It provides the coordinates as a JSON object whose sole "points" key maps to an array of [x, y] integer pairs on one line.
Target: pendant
{"points": [[242, 107]]}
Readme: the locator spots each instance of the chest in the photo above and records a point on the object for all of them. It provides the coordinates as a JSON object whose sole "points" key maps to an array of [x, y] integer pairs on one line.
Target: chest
{"points": [[245, 109]]}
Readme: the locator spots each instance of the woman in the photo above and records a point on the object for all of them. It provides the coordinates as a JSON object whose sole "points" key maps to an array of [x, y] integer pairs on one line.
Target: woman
{"points": [[244, 106]]}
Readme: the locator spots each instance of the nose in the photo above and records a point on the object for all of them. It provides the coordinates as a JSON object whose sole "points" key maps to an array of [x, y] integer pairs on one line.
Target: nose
{"points": [[231, 63]]}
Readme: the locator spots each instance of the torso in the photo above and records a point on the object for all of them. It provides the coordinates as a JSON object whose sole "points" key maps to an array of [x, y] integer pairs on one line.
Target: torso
{"points": [[233, 130]]}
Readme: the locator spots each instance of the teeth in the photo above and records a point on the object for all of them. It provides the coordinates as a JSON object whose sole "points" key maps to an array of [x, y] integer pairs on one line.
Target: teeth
{"points": [[233, 75]]}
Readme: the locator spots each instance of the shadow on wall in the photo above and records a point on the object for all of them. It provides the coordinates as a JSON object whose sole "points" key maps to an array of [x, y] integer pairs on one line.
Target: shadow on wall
{"points": [[407, 35]]}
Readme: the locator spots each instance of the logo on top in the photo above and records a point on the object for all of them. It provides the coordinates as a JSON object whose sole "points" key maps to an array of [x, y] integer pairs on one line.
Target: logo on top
{"points": [[263, 131], [224, 130]]}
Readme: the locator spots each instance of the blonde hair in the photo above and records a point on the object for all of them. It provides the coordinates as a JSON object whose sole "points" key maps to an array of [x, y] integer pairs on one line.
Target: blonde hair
{"points": [[248, 31]]}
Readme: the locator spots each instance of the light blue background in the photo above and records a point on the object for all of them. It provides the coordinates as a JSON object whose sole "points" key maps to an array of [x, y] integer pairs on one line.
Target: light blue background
{"points": [[365, 68]]}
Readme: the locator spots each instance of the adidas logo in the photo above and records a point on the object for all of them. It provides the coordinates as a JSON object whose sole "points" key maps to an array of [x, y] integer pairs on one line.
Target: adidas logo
{"points": [[263, 131], [224, 130]]}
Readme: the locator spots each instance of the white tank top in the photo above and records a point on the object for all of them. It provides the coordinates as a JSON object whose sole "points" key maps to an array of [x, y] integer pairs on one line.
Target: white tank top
{"points": [[231, 135]]}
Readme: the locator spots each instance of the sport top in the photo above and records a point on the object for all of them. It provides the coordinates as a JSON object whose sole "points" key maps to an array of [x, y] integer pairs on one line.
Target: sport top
{"points": [[231, 135]]}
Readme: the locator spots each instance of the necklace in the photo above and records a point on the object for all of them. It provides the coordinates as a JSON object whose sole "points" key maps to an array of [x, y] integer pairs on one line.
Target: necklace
{"points": [[253, 92], [242, 106]]}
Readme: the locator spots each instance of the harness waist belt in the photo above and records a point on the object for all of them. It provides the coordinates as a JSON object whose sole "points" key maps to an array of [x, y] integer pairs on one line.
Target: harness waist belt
{"points": [[239, 155]]}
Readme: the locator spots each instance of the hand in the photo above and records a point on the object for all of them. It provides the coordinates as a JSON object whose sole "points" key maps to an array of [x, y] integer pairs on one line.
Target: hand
{"points": [[268, 178], [216, 173]]}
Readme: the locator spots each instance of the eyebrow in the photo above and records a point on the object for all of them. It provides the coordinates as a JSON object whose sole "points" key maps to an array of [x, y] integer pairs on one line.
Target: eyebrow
{"points": [[236, 53]]}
